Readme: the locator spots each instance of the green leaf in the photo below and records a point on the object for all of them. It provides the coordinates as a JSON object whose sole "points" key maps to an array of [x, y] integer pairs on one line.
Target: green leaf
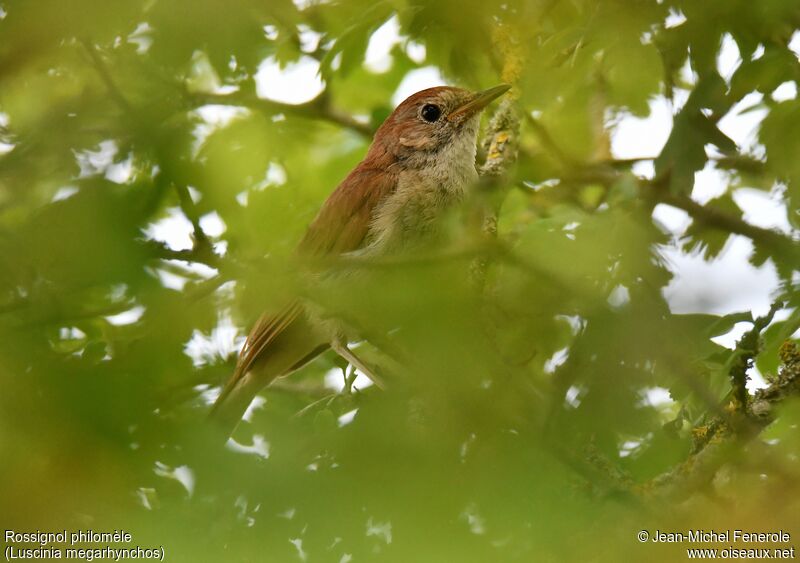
{"points": [[711, 240], [773, 337], [351, 45], [776, 66], [684, 153]]}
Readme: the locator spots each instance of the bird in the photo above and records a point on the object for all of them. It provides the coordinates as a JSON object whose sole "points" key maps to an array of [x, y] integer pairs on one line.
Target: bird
{"points": [[420, 164]]}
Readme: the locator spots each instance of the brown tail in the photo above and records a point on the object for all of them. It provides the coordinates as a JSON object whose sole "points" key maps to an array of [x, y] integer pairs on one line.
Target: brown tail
{"points": [[231, 405], [276, 346]]}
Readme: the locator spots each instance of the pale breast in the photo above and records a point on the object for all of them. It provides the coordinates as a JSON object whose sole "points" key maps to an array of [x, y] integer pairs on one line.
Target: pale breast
{"points": [[431, 183], [412, 213]]}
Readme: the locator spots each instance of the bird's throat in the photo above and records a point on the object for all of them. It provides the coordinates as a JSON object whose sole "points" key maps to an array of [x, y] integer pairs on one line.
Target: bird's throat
{"points": [[424, 193]]}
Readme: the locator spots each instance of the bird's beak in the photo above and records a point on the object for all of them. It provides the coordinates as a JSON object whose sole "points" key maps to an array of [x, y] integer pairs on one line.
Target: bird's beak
{"points": [[477, 102]]}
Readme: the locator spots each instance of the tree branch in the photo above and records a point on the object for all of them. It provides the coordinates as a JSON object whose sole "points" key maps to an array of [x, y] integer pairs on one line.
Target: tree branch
{"points": [[202, 254], [104, 74], [318, 108], [606, 173], [501, 143], [724, 436], [711, 217], [747, 348]]}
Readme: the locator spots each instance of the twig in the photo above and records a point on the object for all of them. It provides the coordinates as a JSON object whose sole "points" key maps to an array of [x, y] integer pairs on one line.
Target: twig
{"points": [[202, 254], [327, 399], [720, 220], [61, 317], [104, 74], [190, 211], [318, 108], [367, 261], [349, 378], [547, 140], [199, 290]]}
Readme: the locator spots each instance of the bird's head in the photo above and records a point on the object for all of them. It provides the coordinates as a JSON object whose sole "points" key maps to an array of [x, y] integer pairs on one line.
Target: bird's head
{"points": [[440, 122]]}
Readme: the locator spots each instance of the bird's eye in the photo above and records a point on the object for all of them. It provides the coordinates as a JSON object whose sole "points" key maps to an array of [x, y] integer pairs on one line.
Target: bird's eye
{"points": [[430, 112]]}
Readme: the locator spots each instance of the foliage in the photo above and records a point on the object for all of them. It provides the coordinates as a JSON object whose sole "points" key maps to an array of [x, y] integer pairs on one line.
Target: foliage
{"points": [[521, 424]]}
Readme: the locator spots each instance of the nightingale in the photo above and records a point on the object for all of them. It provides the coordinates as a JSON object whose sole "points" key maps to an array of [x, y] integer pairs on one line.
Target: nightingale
{"points": [[420, 164]]}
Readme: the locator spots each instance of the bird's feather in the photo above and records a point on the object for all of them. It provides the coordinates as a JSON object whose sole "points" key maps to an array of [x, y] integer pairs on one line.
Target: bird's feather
{"points": [[343, 222], [342, 225]]}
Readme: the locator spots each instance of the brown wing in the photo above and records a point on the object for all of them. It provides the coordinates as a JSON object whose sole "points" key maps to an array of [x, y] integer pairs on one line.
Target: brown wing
{"points": [[340, 226], [343, 222]]}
